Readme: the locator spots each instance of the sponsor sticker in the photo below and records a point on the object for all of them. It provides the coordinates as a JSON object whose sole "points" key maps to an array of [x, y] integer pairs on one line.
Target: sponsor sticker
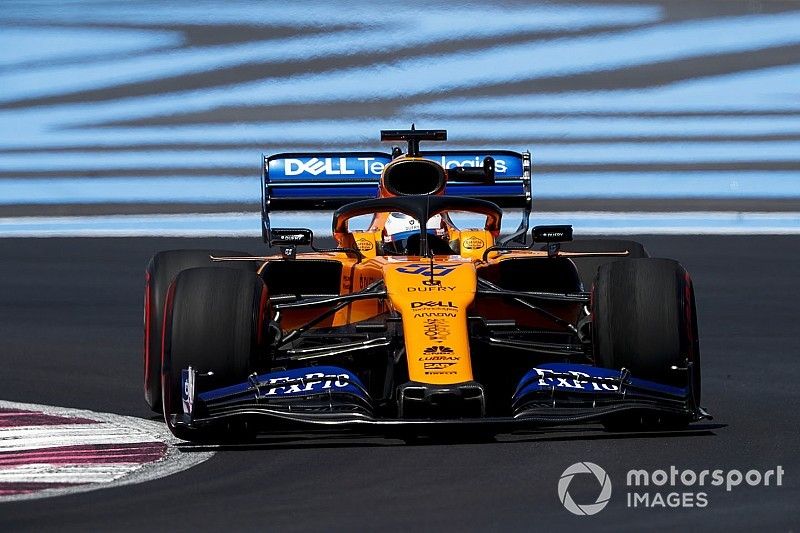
{"points": [[437, 350], [353, 167], [431, 288], [434, 303], [441, 365], [313, 382], [361, 166], [364, 245], [437, 360], [579, 381], [436, 329], [473, 243], [501, 166]]}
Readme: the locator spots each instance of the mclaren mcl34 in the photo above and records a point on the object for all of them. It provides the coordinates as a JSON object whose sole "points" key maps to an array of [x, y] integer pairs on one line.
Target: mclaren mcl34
{"points": [[413, 325]]}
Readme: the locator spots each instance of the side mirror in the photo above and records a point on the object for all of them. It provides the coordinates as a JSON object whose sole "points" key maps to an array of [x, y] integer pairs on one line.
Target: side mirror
{"points": [[288, 239], [550, 234], [553, 236], [483, 174], [296, 236]]}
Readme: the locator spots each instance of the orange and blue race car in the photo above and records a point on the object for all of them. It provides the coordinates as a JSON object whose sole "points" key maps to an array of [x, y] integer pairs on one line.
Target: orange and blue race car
{"points": [[412, 325]]}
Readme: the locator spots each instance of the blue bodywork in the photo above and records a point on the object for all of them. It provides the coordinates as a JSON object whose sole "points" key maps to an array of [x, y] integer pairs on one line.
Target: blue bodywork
{"points": [[325, 180], [586, 380], [347, 167], [336, 385], [551, 393], [297, 383]]}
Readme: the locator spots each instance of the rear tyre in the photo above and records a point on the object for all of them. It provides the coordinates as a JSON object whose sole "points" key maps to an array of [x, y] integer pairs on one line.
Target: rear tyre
{"points": [[644, 320], [211, 324], [588, 266], [161, 270]]}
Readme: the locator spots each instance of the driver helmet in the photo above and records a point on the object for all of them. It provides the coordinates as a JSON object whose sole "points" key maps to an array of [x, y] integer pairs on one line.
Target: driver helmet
{"points": [[399, 227]]}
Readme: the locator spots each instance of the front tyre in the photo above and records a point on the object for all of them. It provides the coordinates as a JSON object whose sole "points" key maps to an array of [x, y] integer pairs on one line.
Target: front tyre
{"points": [[644, 319], [161, 270], [212, 321]]}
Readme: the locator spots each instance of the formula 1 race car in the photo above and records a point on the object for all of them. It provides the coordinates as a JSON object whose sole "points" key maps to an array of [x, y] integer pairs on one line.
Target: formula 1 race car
{"points": [[413, 325]]}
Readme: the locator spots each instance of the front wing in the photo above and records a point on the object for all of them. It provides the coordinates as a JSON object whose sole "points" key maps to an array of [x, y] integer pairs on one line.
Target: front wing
{"points": [[548, 395]]}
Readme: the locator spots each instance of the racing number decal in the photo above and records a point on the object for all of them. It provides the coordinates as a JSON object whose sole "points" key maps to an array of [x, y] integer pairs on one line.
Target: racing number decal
{"points": [[424, 269]]}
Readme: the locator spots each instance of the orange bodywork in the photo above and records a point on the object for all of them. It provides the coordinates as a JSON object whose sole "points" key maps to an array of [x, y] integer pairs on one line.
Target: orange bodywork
{"points": [[433, 296], [432, 300], [433, 309]]}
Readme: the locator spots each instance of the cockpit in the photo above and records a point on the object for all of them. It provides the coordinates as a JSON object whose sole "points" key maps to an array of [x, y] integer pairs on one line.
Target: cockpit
{"points": [[401, 236]]}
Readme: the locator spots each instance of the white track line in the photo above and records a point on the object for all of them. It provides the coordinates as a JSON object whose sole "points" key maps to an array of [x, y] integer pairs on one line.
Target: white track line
{"points": [[248, 224], [48, 473], [730, 185], [35, 437]]}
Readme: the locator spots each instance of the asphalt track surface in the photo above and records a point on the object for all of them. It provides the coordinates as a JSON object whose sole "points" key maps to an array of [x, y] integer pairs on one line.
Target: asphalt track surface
{"points": [[70, 335]]}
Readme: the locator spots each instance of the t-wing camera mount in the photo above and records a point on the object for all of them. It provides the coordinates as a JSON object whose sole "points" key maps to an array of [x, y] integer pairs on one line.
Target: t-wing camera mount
{"points": [[413, 137]]}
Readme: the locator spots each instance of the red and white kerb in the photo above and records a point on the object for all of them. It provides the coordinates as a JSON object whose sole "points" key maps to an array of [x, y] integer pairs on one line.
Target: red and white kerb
{"points": [[47, 451]]}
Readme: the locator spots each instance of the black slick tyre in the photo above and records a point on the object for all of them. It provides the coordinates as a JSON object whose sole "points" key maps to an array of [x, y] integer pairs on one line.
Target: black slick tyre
{"points": [[644, 320], [211, 323], [161, 270]]}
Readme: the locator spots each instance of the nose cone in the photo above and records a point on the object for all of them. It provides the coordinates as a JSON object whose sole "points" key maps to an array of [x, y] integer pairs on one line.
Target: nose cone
{"points": [[433, 302]]}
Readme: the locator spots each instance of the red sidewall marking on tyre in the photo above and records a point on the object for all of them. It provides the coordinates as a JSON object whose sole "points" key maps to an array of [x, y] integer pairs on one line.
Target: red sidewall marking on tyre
{"points": [[49, 451], [147, 319]]}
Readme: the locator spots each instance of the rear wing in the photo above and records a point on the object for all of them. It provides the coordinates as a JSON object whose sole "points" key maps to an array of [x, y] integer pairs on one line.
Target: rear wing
{"points": [[328, 180]]}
